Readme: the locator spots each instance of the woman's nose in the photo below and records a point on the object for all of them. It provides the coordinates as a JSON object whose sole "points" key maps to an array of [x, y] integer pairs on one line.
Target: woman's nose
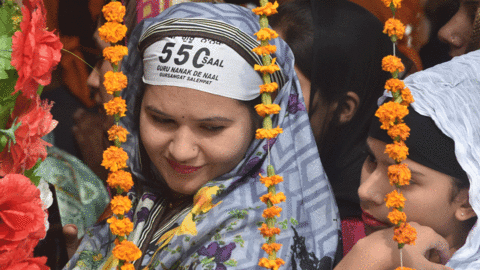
{"points": [[183, 146], [451, 32], [374, 188]]}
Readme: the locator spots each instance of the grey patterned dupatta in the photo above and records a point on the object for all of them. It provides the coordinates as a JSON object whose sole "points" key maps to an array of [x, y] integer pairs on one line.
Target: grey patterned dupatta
{"points": [[227, 235]]}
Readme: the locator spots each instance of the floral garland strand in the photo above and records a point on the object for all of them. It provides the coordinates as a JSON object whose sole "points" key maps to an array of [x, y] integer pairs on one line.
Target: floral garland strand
{"points": [[265, 109], [115, 158], [391, 116]]}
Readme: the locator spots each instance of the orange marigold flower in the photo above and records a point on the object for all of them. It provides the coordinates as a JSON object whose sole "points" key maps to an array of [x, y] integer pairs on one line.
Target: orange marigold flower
{"points": [[114, 158], [267, 69], [117, 132], [397, 151], [264, 109], [274, 199], [268, 88], [390, 113], [115, 53], [407, 97], [121, 179], [268, 133], [271, 180], [127, 251], [394, 85], [112, 32], [404, 268], [271, 264], [272, 212], [399, 174], [400, 131], [114, 11], [267, 10], [262, 50], [120, 227], [396, 3], [405, 234], [266, 34], [394, 27], [127, 266], [269, 248], [392, 63], [395, 200], [396, 216], [114, 81], [117, 105], [120, 204], [268, 232]]}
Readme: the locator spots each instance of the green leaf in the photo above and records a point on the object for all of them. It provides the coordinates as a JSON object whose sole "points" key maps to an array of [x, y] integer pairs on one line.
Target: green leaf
{"points": [[231, 262], [31, 173], [10, 133], [5, 55]]}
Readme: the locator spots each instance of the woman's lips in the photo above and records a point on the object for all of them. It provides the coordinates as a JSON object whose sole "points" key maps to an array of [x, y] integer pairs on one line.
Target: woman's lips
{"points": [[373, 222], [183, 169]]}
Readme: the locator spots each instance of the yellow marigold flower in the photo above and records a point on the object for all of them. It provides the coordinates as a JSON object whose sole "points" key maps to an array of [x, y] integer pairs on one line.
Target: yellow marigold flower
{"points": [[396, 3], [262, 50], [127, 251], [390, 113], [120, 204], [269, 248], [112, 32], [394, 85], [397, 151], [396, 216], [264, 109], [114, 11], [127, 266], [202, 201], [394, 27], [392, 63], [271, 264], [268, 232], [405, 234], [121, 179], [267, 69], [272, 212], [271, 180], [407, 97], [399, 174], [120, 227], [114, 158], [268, 88], [266, 34], [267, 10], [117, 132], [117, 105], [114, 81], [274, 199], [268, 133], [115, 53], [395, 200], [401, 131]]}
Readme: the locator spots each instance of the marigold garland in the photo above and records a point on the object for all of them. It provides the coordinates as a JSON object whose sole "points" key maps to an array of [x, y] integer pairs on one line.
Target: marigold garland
{"points": [[391, 116], [115, 158], [268, 229]]}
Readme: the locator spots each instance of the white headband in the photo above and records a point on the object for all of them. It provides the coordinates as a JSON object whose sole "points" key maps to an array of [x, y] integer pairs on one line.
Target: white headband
{"points": [[202, 64]]}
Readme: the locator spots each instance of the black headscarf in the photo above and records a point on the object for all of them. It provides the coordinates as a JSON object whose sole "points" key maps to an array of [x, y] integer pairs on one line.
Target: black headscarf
{"points": [[347, 52]]}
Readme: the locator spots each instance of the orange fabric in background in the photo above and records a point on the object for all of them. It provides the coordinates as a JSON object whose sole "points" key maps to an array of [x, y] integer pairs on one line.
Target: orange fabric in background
{"points": [[407, 14]]}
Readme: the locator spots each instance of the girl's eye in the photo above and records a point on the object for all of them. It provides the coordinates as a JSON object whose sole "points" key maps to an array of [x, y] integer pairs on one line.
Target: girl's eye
{"points": [[213, 128], [370, 163]]}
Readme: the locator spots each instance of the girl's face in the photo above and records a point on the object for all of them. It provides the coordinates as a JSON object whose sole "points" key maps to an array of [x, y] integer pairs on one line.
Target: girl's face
{"points": [[457, 31], [428, 197], [192, 136]]}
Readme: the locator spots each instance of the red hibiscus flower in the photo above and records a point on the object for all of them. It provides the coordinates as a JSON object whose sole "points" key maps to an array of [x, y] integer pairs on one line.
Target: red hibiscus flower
{"points": [[36, 122], [30, 264], [17, 251], [35, 51]]}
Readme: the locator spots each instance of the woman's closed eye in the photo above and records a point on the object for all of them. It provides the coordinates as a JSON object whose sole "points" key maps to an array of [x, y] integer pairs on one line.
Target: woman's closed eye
{"points": [[213, 128]]}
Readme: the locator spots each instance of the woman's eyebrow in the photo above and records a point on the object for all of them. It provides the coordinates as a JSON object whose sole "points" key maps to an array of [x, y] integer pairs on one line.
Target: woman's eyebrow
{"points": [[208, 119]]}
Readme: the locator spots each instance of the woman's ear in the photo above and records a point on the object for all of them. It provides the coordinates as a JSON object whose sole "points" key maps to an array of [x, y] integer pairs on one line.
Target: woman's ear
{"points": [[349, 107], [464, 211]]}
